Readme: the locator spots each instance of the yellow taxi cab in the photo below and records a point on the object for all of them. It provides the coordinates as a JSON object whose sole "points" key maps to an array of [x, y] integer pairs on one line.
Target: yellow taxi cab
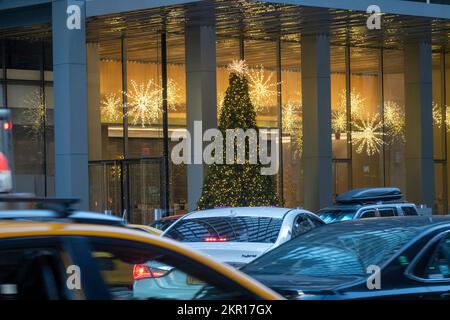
{"points": [[145, 228], [54, 259]]}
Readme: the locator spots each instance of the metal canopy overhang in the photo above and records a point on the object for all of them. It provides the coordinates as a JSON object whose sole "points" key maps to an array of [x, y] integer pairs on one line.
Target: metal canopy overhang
{"points": [[265, 21], [268, 21]]}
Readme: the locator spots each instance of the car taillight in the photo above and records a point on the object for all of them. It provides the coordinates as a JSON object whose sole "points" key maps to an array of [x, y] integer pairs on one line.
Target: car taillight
{"points": [[7, 125], [215, 239], [142, 271]]}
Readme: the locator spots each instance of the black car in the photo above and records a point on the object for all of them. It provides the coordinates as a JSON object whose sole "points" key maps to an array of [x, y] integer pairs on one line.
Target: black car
{"points": [[384, 258]]}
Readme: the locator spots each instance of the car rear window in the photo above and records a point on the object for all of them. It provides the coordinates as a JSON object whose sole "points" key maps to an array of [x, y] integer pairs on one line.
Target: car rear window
{"points": [[331, 251], [236, 229], [335, 215]]}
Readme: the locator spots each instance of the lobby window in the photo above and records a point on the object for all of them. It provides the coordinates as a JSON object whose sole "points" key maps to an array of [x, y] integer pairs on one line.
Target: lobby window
{"points": [[340, 110], [447, 117], [394, 119], [126, 120], [439, 133], [292, 126], [176, 73], [27, 90], [366, 116]]}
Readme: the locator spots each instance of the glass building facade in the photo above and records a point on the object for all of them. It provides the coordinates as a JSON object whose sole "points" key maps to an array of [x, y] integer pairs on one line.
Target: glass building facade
{"points": [[126, 143]]}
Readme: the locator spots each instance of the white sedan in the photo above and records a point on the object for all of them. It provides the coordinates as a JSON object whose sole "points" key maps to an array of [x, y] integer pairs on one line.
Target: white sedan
{"points": [[237, 236]]}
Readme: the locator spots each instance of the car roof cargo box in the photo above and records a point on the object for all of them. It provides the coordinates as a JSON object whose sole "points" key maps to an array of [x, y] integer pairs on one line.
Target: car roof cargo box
{"points": [[365, 195]]}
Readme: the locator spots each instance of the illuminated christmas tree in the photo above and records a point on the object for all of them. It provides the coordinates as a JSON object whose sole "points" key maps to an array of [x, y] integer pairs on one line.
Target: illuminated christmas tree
{"points": [[237, 185]]}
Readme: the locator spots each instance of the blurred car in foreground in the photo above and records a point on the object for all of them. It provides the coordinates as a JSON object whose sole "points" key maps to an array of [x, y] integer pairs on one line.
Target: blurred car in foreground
{"points": [[368, 203], [145, 228], [236, 236], [338, 260], [64, 254], [163, 223]]}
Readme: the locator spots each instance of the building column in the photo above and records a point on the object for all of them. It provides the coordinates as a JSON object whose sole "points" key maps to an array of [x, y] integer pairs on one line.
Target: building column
{"points": [[93, 94], [316, 100], [419, 123], [201, 100], [71, 121]]}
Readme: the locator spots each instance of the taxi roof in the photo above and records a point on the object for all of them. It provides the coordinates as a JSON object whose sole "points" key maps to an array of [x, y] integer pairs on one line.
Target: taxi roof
{"points": [[24, 229]]}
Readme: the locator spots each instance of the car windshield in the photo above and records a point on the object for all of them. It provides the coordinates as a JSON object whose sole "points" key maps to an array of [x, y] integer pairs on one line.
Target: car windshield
{"points": [[162, 224], [335, 215], [333, 250], [221, 229]]}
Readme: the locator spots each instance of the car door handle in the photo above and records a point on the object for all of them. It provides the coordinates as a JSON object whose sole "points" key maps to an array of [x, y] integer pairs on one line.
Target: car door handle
{"points": [[445, 295]]}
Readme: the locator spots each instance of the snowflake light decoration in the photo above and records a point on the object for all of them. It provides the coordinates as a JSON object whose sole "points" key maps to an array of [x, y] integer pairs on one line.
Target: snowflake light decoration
{"points": [[35, 112], [292, 124], [144, 103], [110, 107], [394, 121], [239, 67], [261, 88], [368, 136], [339, 121], [356, 102]]}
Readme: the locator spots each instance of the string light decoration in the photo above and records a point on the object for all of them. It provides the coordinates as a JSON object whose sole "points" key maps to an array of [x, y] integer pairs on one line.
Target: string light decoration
{"points": [[145, 101], [220, 100], [35, 113], [173, 94], [238, 67], [339, 121], [116, 172], [111, 107], [394, 121], [262, 88], [368, 135], [356, 102], [232, 185], [438, 116], [293, 126]]}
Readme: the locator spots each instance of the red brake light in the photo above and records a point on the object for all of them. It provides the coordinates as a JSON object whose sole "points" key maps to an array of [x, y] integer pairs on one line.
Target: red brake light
{"points": [[4, 166], [215, 239], [141, 271]]}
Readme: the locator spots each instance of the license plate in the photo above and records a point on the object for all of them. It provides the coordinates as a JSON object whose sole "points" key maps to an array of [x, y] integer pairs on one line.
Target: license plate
{"points": [[194, 281]]}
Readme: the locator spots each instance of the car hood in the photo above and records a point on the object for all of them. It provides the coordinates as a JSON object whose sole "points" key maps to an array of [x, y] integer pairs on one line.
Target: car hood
{"points": [[293, 286], [234, 253]]}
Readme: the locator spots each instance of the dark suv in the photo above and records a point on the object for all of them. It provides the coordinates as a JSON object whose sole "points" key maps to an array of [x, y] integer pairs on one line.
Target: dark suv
{"points": [[368, 203]]}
